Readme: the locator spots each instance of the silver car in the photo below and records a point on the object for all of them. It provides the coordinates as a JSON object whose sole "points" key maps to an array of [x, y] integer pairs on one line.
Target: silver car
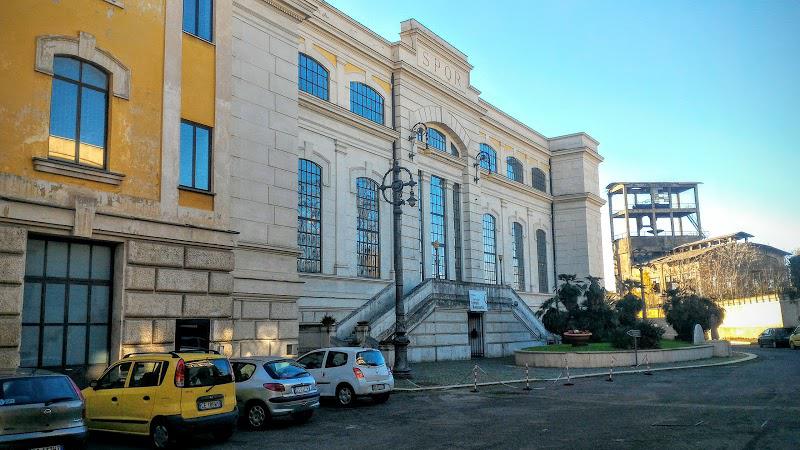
{"points": [[273, 386], [40, 409]]}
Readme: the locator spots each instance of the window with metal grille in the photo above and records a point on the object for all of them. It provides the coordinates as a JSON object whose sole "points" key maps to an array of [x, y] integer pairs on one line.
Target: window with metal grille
{"points": [[489, 249], [195, 160], [438, 229], [312, 76], [518, 256], [66, 308], [198, 18], [457, 230], [488, 158], [366, 102], [541, 258], [78, 112], [436, 139], [368, 229], [539, 179], [514, 169], [309, 217]]}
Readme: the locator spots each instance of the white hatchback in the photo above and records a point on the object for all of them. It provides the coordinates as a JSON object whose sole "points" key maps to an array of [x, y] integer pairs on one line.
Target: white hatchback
{"points": [[347, 372]]}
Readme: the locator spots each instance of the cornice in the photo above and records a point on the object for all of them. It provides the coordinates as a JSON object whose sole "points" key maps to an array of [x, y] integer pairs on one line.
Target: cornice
{"points": [[515, 185], [578, 151], [336, 112], [493, 123], [298, 10], [455, 161], [584, 196], [402, 67]]}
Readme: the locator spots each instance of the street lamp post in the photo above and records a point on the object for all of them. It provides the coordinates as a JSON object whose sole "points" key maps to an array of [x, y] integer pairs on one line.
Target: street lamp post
{"points": [[639, 258], [436, 245]]}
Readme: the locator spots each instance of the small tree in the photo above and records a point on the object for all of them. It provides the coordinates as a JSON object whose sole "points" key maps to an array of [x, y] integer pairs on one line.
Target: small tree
{"points": [[683, 311], [559, 313], [628, 308]]}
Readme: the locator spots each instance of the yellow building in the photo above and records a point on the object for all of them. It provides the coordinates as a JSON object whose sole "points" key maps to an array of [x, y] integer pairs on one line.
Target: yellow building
{"points": [[114, 231]]}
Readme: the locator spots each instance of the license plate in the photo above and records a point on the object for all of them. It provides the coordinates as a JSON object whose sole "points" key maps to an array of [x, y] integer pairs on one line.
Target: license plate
{"points": [[302, 389], [51, 447], [213, 404], [378, 387]]}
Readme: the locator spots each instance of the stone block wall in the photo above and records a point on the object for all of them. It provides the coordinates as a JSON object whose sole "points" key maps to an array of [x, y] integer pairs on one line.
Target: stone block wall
{"points": [[442, 336], [264, 327], [165, 282], [12, 273]]}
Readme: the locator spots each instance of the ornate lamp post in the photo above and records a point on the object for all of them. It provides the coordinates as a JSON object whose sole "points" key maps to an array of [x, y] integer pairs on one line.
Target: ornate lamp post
{"points": [[397, 200], [479, 158], [436, 246]]}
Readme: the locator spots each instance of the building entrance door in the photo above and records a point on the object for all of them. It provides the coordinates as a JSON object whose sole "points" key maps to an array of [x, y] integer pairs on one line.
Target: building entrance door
{"points": [[475, 327], [192, 334]]}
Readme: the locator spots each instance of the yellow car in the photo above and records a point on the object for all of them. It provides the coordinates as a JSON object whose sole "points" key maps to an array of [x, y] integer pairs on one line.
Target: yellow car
{"points": [[165, 396], [794, 339]]}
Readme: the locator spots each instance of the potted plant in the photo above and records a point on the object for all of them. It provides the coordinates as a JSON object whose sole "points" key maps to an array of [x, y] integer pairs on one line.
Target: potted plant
{"points": [[576, 337]]}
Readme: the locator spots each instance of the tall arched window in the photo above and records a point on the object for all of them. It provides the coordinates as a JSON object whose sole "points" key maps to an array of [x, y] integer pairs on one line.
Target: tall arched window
{"points": [[438, 233], [436, 139], [366, 102], [518, 256], [489, 161], [78, 112], [489, 249], [514, 169], [541, 258], [539, 179], [312, 76], [309, 217], [368, 229]]}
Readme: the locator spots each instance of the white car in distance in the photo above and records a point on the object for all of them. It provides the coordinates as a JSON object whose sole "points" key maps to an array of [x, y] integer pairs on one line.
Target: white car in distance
{"points": [[345, 373]]}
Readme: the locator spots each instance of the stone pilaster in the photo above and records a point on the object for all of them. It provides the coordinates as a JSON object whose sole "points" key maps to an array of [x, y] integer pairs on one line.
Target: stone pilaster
{"points": [[12, 273]]}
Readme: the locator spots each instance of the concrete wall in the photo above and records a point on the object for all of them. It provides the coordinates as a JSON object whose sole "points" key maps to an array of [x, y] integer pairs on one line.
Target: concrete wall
{"points": [[746, 318], [613, 359]]}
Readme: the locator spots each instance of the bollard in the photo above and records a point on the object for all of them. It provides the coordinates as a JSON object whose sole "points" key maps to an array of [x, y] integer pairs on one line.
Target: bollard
{"points": [[569, 378], [527, 379], [611, 370], [475, 379], [647, 363]]}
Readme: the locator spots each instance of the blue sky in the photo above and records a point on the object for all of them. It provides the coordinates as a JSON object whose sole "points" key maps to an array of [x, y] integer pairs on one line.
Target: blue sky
{"points": [[703, 91]]}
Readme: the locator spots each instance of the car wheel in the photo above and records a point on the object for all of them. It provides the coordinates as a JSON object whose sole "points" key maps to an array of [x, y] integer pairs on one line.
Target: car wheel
{"points": [[345, 395], [161, 435], [380, 398], [302, 416], [223, 434], [257, 415]]}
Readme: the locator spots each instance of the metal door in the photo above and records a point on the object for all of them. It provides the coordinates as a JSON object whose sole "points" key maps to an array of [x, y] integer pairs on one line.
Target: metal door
{"points": [[475, 326]]}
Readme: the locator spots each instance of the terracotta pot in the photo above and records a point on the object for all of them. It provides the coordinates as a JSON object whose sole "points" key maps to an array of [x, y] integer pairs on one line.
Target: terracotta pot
{"points": [[576, 338]]}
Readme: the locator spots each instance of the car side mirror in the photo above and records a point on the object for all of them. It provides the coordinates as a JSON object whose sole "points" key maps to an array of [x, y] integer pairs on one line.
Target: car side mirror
{"points": [[93, 384]]}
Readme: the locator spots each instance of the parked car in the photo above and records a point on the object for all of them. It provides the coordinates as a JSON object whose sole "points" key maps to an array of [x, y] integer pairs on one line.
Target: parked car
{"points": [[348, 372], [40, 409], [774, 337], [164, 396], [273, 386], [794, 339]]}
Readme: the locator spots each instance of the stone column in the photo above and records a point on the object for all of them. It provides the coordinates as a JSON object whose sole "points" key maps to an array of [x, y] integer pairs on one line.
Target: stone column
{"points": [[13, 242]]}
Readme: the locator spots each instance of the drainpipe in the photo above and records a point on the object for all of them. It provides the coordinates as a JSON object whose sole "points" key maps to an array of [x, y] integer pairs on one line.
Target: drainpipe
{"points": [[553, 222]]}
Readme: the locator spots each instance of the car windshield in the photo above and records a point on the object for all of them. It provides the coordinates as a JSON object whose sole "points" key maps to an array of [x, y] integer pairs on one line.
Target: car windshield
{"points": [[285, 370], [208, 372], [24, 391], [372, 358]]}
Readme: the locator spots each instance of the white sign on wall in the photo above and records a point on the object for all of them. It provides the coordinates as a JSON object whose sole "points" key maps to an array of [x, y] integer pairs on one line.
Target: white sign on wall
{"points": [[478, 301]]}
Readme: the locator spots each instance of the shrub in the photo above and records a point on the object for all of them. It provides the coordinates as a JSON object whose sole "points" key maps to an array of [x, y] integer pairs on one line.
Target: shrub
{"points": [[628, 307], [651, 335], [683, 311]]}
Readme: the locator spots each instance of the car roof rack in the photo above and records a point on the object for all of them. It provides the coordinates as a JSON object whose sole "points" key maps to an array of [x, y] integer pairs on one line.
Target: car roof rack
{"points": [[197, 350], [174, 354]]}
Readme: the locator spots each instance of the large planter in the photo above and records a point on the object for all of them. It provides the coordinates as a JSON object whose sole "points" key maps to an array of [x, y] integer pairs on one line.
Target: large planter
{"points": [[576, 338]]}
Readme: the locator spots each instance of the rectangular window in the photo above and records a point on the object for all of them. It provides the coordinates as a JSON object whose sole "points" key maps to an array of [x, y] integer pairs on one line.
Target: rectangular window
{"points": [[368, 229], [541, 256], [198, 18], [518, 257], [195, 156], [66, 304], [457, 230], [309, 217], [438, 229]]}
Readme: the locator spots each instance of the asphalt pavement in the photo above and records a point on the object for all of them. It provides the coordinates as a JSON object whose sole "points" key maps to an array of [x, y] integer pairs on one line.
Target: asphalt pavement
{"points": [[751, 405]]}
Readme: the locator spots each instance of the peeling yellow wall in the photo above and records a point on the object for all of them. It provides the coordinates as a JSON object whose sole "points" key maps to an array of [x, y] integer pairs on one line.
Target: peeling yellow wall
{"points": [[198, 77], [134, 126], [197, 200]]}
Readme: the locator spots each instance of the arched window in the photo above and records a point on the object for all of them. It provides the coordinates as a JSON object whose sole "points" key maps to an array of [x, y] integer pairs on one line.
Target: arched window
{"points": [[438, 233], [366, 102], [541, 258], [518, 256], [514, 169], [489, 161], [539, 180], [368, 229], [453, 149], [312, 76], [78, 112], [489, 250], [436, 139], [309, 217]]}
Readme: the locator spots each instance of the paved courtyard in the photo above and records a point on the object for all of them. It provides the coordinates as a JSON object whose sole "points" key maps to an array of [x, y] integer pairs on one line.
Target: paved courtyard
{"points": [[752, 405]]}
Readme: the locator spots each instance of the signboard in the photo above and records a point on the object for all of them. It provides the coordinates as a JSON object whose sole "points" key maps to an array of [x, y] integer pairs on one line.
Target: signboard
{"points": [[478, 301], [634, 333]]}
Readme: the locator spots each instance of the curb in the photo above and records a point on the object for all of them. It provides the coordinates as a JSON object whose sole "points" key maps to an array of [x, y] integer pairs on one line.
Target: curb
{"points": [[747, 357]]}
